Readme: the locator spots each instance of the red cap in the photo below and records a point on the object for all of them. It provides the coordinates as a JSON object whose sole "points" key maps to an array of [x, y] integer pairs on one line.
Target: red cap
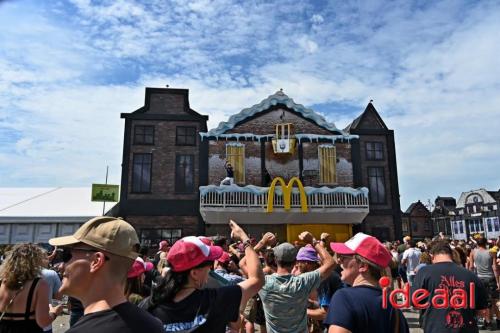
{"points": [[206, 240], [189, 252], [224, 258], [136, 269], [148, 266], [365, 246]]}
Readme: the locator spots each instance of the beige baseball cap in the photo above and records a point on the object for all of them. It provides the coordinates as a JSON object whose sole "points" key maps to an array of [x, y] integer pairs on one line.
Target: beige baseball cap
{"points": [[105, 233]]}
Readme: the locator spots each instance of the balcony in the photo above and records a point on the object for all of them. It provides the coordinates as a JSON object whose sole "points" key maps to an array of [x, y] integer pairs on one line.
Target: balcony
{"points": [[249, 205]]}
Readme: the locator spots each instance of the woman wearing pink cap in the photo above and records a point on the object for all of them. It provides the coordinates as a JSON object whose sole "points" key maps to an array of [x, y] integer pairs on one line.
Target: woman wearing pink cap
{"points": [[134, 287], [180, 301]]}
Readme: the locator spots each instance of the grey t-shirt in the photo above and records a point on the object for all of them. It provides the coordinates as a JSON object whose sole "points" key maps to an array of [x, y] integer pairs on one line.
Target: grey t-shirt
{"points": [[484, 264], [285, 301], [54, 283]]}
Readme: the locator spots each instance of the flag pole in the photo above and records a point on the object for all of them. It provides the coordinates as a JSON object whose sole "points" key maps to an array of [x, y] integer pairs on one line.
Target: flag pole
{"points": [[104, 202]]}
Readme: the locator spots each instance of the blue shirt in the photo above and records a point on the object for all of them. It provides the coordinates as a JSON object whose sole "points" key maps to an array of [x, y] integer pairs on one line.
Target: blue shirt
{"points": [[359, 309]]}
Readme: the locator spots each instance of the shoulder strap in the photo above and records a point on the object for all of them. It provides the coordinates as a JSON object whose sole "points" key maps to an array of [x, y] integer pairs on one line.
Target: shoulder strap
{"points": [[30, 298]]}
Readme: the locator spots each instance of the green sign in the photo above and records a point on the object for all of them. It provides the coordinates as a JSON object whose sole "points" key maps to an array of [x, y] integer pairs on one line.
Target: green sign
{"points": [[105, 192]]}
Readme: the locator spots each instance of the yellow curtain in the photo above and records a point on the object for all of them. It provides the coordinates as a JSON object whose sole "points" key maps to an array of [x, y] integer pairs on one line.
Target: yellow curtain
{"points": [[327, 165], [235, 154]]}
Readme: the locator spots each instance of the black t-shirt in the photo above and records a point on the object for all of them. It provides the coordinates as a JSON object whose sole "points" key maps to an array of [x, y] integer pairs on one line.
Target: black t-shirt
{"points": [[327, 288], [206, 310], [448, 275], [123, 318], [359, 309]]}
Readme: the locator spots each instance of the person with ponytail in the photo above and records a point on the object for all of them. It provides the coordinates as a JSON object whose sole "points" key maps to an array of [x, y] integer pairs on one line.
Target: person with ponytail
{"points": [[179, 299]]}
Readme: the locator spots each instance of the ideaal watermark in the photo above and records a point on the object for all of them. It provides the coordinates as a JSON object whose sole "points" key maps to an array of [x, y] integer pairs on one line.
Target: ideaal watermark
{"points": [[450, 294]]}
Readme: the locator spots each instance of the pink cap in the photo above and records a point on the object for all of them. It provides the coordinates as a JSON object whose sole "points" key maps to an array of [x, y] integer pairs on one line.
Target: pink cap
{"points": [[163, 243], [189, 252], [148, 266], [206, 240], [224, 258], [136, 269], [365, 246]]}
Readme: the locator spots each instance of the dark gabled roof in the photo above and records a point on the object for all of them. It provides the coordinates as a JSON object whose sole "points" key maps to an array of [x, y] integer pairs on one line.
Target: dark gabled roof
{"points": [[495, 194], [170, 91], [445, 198], [414, 205], [410, 208], [369, 109]]}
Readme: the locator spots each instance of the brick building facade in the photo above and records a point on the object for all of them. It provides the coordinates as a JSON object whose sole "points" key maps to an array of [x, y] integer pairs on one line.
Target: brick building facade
{"points": [[172, 168]]}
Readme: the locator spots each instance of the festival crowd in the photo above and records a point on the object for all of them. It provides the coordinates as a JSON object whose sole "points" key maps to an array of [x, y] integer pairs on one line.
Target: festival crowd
{"points": [[109, 283]]}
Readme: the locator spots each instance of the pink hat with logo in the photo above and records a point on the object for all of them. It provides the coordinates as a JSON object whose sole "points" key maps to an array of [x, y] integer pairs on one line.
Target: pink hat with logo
{"points": [[139, 267], [365, 246], [189, 252]]}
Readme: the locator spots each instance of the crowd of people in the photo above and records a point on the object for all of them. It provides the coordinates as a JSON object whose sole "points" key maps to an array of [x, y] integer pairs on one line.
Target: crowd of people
{"points": [[239, 284]]}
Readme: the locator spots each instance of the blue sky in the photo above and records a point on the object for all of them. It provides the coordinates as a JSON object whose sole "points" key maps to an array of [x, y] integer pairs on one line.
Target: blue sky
{"points": [[69, 68]]}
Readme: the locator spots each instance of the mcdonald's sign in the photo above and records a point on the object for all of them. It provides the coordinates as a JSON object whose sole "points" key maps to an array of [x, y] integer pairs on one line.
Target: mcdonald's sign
{"points": [[287, 194]]}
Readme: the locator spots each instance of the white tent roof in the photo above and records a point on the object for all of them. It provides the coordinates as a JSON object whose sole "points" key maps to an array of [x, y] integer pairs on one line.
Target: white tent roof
{"points": [[49, 202]]}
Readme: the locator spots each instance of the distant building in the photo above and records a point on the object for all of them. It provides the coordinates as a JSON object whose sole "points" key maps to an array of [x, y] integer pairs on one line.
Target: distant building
{"points": [[442, 215], [477, 213], [293, 171], [417, 221]]}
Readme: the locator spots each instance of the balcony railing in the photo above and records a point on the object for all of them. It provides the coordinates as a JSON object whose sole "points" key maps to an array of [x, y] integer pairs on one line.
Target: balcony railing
{"points": [[232, 196]]}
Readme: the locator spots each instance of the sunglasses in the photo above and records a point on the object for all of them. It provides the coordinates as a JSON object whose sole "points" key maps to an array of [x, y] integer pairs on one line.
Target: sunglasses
{"points": [[344, 257], [67, 255]]}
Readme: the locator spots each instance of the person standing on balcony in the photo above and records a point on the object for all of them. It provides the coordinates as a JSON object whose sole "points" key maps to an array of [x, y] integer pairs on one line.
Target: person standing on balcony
{"points": [[229, 174]]}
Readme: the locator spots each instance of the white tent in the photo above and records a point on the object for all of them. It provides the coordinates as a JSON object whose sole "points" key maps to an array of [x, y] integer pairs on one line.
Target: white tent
{"points": [[37, 214]]}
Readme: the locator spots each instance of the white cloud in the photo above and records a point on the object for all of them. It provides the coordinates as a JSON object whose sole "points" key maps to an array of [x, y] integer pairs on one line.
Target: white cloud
{"points": [[433, 70]]}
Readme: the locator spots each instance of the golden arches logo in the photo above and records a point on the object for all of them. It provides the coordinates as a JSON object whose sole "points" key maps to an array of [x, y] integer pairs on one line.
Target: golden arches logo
{"points": [[287, 194]]}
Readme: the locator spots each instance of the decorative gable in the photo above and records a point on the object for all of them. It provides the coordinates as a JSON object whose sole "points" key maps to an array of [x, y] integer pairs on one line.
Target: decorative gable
{"points": [[279, 98]]}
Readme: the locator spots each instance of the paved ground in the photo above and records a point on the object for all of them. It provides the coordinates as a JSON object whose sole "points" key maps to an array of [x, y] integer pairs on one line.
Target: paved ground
{"points": [[62, 323]]}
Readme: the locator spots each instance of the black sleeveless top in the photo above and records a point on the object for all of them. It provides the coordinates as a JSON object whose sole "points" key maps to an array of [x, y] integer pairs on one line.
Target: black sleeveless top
{"points": [[9, 325]]}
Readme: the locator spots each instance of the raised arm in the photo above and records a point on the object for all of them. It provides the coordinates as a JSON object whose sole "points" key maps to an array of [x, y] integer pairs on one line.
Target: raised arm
{"points": [[269, 239], [255, 279], [327, 261]]}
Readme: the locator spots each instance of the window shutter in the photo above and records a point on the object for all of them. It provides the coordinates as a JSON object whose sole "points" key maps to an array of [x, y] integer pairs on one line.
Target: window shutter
{"points": [[235, 154], [327, 164]]}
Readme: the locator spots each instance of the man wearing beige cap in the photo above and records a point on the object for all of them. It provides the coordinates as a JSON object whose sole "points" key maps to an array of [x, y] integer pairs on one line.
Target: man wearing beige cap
{"points": [[97, 258]]}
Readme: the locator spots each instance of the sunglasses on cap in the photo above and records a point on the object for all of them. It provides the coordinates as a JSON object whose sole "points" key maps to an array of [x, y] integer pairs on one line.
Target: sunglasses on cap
{"points": [[66, 253]]}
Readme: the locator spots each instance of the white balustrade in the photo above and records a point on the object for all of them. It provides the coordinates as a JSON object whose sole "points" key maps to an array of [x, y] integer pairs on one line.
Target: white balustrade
{"points": [[214, 198]]}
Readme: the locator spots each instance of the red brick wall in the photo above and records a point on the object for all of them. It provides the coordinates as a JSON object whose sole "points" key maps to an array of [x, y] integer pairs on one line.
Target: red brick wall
{"points": [[166, 104], [164, 151]]}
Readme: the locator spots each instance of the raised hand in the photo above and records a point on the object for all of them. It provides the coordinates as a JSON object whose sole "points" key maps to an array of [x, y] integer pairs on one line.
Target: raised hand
{"points": [[269, 239], [306, 237], [237, 233]]}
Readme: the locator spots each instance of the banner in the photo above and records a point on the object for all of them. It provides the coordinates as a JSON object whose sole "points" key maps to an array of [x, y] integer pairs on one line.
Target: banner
{"points": [[105, 192]]}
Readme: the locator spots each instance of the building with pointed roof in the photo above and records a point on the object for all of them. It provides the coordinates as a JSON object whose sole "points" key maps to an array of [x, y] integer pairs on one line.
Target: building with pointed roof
{"points": [[292, 170]]}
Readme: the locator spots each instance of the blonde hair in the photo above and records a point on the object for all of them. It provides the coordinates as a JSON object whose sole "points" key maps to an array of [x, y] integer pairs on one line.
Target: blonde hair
{"points": [[23, 263]]}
